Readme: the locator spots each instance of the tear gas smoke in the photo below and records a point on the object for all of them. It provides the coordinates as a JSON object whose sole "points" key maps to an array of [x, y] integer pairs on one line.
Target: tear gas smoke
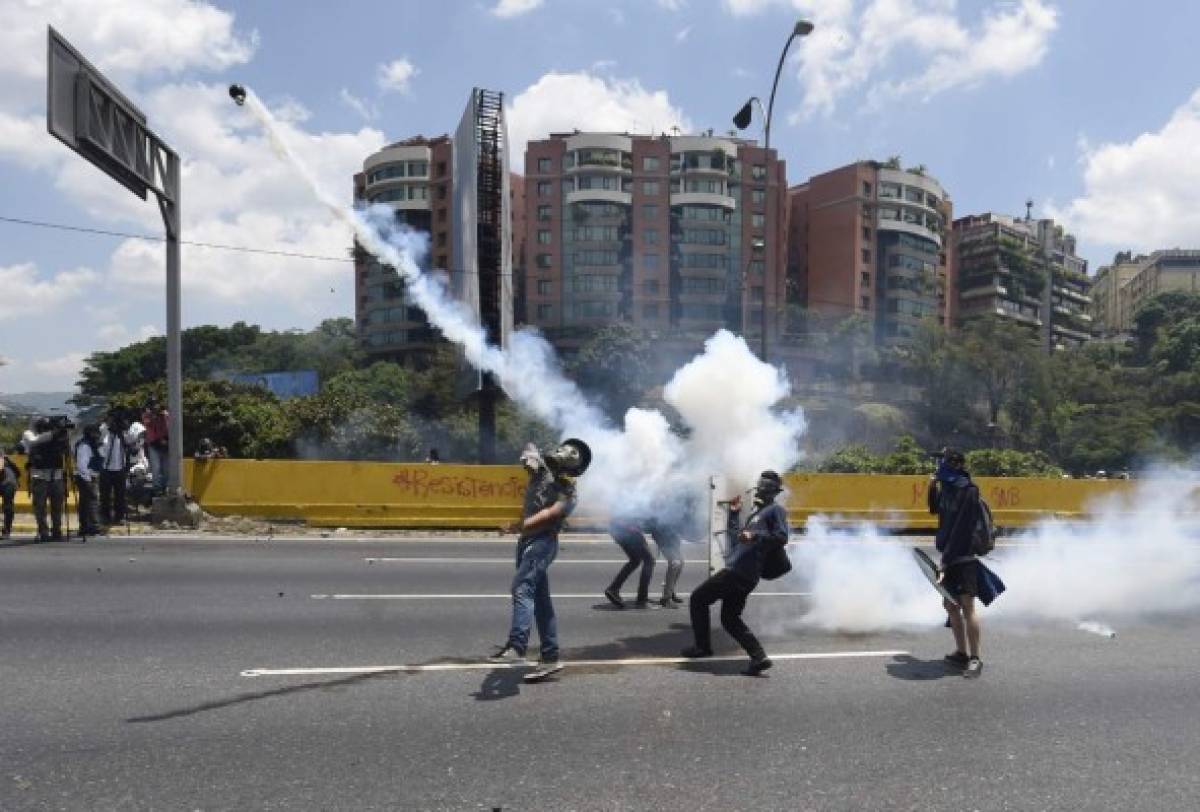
{"points": [[1138, 557], [726, 395]]}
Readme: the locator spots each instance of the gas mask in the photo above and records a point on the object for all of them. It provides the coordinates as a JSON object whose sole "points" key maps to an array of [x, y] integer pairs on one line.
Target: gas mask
{"points": [[570, 459], [767, 488]]}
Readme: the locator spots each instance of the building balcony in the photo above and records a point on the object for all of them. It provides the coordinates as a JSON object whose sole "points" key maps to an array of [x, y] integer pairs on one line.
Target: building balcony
{"points": [[703, 199], [600, 195]]}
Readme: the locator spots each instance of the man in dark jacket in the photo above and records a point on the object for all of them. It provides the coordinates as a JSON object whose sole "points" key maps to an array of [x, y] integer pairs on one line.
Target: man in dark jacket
{"points": [[954, 498], [765, 530]]}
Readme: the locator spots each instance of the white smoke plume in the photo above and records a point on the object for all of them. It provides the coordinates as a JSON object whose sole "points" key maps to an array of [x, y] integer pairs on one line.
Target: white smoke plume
{"points": [[726, 395], [1136, 558]]}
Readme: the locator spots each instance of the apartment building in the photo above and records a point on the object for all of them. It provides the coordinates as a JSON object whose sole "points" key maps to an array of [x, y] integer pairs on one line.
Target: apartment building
{"points": [[1122, 287]]}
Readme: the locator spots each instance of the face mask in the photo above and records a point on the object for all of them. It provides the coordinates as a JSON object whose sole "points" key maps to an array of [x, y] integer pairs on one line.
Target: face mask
{"points": [[565, 460], [765, 491]]}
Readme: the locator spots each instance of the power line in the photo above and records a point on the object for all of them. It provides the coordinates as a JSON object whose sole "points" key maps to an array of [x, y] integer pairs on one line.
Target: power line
{"points": [[217, 246]]}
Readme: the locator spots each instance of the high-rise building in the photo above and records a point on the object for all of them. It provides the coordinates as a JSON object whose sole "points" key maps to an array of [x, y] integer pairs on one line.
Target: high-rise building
{"points": [[868, 238], [419, 179], [1024, 270], [1120, 288], [675, 234]]}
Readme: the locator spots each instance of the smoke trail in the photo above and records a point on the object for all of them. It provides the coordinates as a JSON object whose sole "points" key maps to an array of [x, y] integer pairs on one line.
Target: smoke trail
{"points": [[726, 394], [1134, 559]]}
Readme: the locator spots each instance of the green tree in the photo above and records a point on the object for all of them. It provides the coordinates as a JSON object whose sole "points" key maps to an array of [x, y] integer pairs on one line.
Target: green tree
{"points": [[614, 365]]}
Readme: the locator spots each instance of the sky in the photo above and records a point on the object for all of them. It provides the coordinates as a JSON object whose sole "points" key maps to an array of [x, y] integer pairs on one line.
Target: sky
{"points": [[1091, 108]]}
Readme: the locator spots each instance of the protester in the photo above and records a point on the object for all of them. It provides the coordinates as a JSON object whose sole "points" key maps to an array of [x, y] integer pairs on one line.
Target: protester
{"points": [[749, 546], [10, 480], [549, 500], [627, 533], [671, 546], [434, 457], [206, 450], [954, 498], [46, 444], [88, 465], [155, 419]]}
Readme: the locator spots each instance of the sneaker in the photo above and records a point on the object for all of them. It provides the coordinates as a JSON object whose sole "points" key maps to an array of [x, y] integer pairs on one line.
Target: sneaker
{"points": [[665, 603], [956, 660], [614, 598], [695, 652], [544, 670], [508, 655], [675, 598], [643, 603], [758, 665], [974, 668]]}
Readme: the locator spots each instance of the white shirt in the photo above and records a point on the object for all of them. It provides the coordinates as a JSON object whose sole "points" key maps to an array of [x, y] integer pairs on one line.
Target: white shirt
{"points": [[114, 454], [83, 459]]}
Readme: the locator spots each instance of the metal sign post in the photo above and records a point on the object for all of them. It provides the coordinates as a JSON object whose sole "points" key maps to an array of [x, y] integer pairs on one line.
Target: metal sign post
{"points": [[91, 116]]}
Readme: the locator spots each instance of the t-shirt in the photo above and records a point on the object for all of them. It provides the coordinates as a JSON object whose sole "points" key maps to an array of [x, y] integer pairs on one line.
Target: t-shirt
{"points": [[544, 490]]}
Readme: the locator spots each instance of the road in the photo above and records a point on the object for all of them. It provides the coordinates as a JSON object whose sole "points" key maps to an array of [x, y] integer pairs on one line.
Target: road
{"points": [[144, 674]]}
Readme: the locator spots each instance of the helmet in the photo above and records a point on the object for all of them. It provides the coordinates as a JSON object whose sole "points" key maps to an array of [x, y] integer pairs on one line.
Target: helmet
{"points": [[571, 458], [767, 488]]}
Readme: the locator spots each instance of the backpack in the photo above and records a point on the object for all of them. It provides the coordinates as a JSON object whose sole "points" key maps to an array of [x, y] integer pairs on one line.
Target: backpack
{"points": [[776, 564], [983, 535]]}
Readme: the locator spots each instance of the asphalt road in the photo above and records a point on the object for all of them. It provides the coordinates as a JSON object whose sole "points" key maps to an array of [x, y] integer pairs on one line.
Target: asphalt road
{"points": [[127, 681]]}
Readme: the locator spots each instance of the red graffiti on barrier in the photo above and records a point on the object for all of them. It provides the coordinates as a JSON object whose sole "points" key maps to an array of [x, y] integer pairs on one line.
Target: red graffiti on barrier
{"points": [[1003, 497], [424, 483]]}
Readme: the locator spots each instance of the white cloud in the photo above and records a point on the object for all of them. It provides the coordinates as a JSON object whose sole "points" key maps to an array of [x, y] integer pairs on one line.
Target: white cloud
{"points": [[672, 5], [27, 295], [889, 49], [682, 34], [559, 102], [515, 8], [367, 111], [1143, 194], [126, 40], [396, 76], [63, 370], [618, 16]]}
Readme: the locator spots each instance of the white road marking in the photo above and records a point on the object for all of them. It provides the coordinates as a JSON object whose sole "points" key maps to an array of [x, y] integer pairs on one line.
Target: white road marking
{"points": [[509, 560], [421, 596], [487, 666]]}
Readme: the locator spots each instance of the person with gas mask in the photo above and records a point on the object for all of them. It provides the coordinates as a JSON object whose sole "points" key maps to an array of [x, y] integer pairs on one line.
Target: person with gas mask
{"points": [[88, 464], [46, 443], [765, 531], [627, 533], [549, 500]]}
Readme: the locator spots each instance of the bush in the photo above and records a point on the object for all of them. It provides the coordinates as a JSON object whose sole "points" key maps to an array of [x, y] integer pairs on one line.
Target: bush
{"points": [[1007, 462]]}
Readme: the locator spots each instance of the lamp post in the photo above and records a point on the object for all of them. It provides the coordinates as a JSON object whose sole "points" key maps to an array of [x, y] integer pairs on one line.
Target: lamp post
{"points": [[742, 120]]}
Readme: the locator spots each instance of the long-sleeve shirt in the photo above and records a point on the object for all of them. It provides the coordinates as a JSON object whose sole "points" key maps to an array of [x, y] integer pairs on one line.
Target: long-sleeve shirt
{"points": [[114, 451], [767, 527], [955, 500], [83, 461]]}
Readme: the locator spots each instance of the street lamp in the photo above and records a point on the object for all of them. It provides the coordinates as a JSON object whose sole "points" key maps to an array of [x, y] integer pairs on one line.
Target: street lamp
{"points": [[742, 120]]}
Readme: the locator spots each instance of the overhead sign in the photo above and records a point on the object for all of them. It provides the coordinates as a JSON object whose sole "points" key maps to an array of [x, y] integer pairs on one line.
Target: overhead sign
{"points": [[89, 115]]}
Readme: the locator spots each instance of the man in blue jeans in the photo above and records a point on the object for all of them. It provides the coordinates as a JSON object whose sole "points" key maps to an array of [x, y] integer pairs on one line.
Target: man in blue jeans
{"points": [[549, 499]]}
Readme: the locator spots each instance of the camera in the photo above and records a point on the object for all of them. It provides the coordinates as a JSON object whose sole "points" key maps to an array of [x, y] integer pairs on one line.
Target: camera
{"points": [[60, 422]]}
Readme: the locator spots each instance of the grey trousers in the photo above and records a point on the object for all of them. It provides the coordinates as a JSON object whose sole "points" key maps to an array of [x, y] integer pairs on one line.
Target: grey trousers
{"points": [[54, 492]]}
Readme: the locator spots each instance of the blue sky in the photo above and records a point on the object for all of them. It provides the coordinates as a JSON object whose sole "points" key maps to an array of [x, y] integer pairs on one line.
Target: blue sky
{"points": [[1089, 107]]}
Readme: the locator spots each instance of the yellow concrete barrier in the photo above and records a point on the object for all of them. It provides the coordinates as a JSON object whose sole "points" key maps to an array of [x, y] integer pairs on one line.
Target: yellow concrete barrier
{"points": [[373, 494]]}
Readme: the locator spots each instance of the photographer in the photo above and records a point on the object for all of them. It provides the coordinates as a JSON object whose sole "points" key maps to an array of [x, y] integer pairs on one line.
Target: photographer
{"points": [[87, 481], [10, 478], [46, 444], [115, 446]]}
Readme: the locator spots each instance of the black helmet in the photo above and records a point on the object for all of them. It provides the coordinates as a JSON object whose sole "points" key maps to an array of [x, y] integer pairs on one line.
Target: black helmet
{"points": [[572, 457]]}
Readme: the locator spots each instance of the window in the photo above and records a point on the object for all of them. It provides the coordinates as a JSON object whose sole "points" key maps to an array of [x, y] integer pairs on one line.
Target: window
{"points": [[441, 168], [756, 293], [702, 285], [610, 183], [593, 310], [596, 258], [650, 262], [650, 311], [649, 164], [443, 261], [866, 279], [756, 268], [889, 191], [441, 191], [568, 185], [759, 197], [441, 215], [866, 234], [758, 220], [650, 236], [596, 234], [544, 311], [703, 236], [866, 256], [544, 287], [543, 261], [650, 211], [545, 165], [544, 189], [758, 172], [689, 310], [715, 261], [865, 301], [713, 213], [866, 189], [418, 169], [649, 187], [418, 192], [543, 237], [650, 286], [594, 283], [704, 185], [441, 239], [913, 195], [543, 212], [569, 160]]}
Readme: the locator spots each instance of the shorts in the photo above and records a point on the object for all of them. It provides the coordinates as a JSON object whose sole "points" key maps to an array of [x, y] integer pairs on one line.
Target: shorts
{"points": [[962, 578]]}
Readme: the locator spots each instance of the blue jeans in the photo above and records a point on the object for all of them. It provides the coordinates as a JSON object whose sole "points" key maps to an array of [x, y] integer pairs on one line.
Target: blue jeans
{"points": [[531, 596]]}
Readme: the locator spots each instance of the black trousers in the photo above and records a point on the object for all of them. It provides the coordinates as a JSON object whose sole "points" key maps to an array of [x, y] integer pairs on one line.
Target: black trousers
{"points": [[112, 496], [732, 592], [638, 552], [8, 495], [89, 495]]}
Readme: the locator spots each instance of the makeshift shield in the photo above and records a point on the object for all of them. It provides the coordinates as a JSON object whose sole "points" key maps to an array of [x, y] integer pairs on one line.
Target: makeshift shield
{"points": [[931, 572]]}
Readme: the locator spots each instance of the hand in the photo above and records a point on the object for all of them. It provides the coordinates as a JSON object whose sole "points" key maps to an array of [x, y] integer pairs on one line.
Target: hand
{"points": [[746, 537], [513, 527], [736, 502]]}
